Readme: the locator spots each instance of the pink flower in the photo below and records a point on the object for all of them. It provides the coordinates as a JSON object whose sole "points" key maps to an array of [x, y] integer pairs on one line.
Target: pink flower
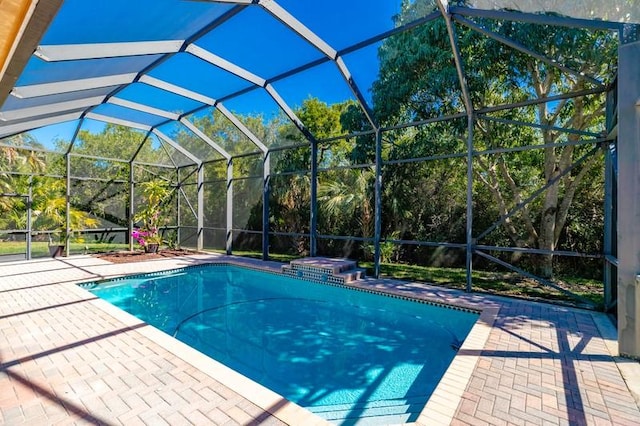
{"points": [[139, 235]]}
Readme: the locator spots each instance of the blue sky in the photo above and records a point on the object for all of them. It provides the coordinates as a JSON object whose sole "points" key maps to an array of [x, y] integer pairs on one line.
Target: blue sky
{"points": [[253, 39]]}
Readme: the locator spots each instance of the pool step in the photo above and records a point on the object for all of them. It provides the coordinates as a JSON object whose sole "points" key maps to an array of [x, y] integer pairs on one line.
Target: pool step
{"points": [[372, 413], [324, 269]]}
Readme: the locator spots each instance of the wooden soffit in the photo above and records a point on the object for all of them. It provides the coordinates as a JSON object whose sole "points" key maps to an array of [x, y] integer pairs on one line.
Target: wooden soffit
{"points": [[22, 24]]}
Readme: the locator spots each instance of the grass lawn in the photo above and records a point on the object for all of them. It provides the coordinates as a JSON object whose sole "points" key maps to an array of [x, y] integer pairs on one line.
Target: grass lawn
{"points": [[41, 248], [500, 283]]}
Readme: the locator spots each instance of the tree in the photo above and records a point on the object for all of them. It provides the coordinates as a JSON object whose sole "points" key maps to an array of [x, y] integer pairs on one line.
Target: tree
{"points": [[346, 197], [14, 157], [418, 80], [113, 141], [50, 206], [156, 194], [323, 122], [589, 53], [107, 195], [290, 205]]}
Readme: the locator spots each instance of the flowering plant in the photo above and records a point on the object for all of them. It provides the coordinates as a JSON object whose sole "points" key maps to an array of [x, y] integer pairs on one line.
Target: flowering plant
{"points": [[146, 237], [154, 195]]}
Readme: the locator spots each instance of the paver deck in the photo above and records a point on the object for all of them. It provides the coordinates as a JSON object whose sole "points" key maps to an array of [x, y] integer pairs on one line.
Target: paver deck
{"points": [[67, 357]]}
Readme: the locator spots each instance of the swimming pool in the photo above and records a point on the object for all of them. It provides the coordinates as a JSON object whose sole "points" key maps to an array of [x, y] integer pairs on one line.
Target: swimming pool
{"points": [[341, 353]]}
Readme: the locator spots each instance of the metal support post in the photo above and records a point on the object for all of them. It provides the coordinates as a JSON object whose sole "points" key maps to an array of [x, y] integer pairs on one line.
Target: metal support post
{"points": [[178, 207], [469, 229], [266, 182], [229, 221], [609, 293], [29, 210], [609, 301], [378, 206], [200, 207], [67, 219], [443, 5], [313, 226], [131, 205]]}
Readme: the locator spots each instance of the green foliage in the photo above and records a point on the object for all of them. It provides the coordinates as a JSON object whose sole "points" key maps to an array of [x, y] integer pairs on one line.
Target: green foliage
{"points": [[417, 77], [49, 207], [223, 132], [418, 80], [171, 239], [345, 199], [16, 156], [14, 159], [389, 251], [48, 194], [290, 201], [422, 200], [107, 195], [323, 122], [155, 196], [113, 141]]}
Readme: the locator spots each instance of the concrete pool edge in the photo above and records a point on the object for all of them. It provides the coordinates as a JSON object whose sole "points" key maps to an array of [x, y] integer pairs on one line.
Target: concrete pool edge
{"points": [[266, 399], [443, 402], [441, 405]]}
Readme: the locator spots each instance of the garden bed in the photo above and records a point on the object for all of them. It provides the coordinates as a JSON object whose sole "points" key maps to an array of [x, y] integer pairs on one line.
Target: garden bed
{"points": [[140, 256]]}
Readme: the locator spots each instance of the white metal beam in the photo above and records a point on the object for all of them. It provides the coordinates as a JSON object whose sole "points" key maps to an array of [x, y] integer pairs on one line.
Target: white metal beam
{"points": [[40, 110], [216, 60], [298, 27], [73, 52], [189, 125], [118, 121], [346, 74], [282, 104], [209, 101], [144, 108], [290, 21], [11, 129], [66, 86], [240, 126], [160, 84], [177, 146], [229, 1]]}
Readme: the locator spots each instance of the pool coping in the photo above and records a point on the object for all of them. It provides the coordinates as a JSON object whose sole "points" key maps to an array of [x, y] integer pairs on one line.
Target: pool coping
{"points": [[439, 409], [261, 396], [266, 399]]}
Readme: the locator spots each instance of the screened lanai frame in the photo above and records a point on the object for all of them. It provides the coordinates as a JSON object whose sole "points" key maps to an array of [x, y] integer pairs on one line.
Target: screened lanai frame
{"points": [[114, 98]]}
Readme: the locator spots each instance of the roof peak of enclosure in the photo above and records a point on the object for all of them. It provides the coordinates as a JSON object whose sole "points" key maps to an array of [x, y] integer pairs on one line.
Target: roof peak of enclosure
{"points": [[148, 64]]}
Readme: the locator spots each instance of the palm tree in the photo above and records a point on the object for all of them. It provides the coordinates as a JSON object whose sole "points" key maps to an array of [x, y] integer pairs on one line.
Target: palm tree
{"points": [[349, 196]]}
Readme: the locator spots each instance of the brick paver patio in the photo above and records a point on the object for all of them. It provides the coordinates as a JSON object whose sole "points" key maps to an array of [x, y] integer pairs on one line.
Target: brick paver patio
{"points": [[69, 358]]}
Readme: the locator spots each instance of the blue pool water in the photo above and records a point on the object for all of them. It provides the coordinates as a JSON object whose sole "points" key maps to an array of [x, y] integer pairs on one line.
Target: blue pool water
{"points": [[350, 356]]}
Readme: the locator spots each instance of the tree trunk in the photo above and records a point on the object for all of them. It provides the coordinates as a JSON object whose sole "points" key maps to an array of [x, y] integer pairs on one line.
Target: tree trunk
{"points": [[546, 239], [545, 242]]}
